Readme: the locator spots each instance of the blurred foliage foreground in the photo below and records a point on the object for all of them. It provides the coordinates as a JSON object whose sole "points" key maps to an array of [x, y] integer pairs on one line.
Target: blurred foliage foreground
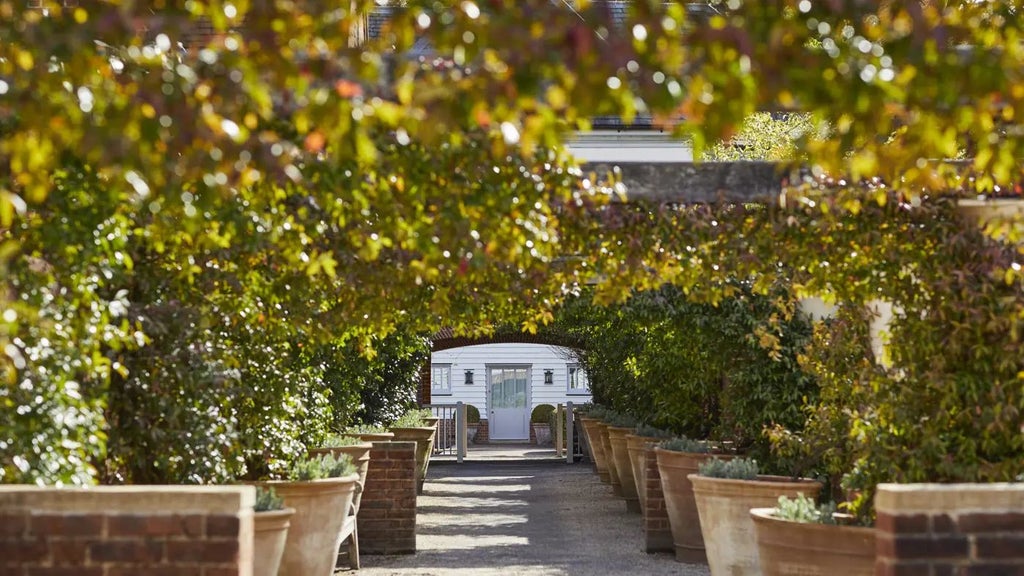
{"points": [[205, 246]]}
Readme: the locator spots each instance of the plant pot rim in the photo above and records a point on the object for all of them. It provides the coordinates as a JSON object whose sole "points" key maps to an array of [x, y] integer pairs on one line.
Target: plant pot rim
{"points": [[353, 477], [412, 428], [708, 454], [645, 438], [622, 428], [762, 480], [285, 512], [768, 514], [361, 446]]}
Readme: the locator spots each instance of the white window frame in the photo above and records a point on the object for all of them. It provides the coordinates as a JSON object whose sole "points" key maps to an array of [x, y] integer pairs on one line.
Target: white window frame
{"points": [[569, 369], [435, 388]]}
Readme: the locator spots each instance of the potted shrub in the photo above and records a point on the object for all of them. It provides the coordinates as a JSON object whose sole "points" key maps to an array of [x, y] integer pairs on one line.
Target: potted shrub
{"points": [[636, 445], [619, 426], [797, 537], [320, 489], [359, 452], [368, 433], [609, 457], [472, 423], [539, 421], [725, 491], [417, 426], [270, 531], [591, 420], [678, 458]]}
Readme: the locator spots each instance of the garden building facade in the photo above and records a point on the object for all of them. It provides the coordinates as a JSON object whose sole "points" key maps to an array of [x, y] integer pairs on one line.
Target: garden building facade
{"points": [[506, 381]]}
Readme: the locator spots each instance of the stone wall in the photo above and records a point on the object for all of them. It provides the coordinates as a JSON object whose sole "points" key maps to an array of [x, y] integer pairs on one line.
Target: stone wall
{"points": [[657, 531], [387, 515], [126, 530], [950, 529]]}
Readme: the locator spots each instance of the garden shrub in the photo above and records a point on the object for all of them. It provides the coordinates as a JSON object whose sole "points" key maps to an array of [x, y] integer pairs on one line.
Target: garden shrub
{"points": [[541, 413], [683, 444], [267, 500], [472, 414], [648, 431], [805, 510], [734, 469], [321, 467]]}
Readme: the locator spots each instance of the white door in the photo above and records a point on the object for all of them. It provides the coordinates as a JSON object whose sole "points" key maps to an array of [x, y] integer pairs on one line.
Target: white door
{"points": [[509, 397]]}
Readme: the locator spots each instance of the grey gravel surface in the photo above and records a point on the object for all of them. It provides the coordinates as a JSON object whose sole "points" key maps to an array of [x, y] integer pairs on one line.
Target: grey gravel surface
{"points": [[530, 518]]}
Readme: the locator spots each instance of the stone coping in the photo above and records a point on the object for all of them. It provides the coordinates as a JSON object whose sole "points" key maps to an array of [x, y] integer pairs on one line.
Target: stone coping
{"points": [[141, 499], [903, 498]]}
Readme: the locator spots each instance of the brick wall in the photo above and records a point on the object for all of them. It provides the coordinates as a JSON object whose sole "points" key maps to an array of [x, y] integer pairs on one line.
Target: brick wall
{"points": [[950, 529], [483, 435], [657, 531], [387, 515], [123, 531]]}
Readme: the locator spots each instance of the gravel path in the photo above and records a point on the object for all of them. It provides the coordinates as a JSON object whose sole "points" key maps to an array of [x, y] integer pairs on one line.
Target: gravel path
{"points": [[524, 518]]}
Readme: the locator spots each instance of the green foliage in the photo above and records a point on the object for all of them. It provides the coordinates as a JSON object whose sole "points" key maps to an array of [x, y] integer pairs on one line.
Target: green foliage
{"points": [[366, 429], [648, 431], [805, 510], [683, 444], [375, 381], [621, 420], [733, 469], [703, 370], [472, 414], [336, 441], [541, 413], [320, 467], [267, 500], [413, 419]]}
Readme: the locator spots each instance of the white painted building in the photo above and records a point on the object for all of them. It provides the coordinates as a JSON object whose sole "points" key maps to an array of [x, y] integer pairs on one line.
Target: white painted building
{"points": [[506, 381]]}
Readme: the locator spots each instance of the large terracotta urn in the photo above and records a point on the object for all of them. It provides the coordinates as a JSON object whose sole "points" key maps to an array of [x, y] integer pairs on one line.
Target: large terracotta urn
{"points": [[423, 436], [675, 468], [785, 547], [636, 446], [360, 455], [590, 428], [724, 505], [270, 533], [315, 533], [623, 466], [609, 458]]}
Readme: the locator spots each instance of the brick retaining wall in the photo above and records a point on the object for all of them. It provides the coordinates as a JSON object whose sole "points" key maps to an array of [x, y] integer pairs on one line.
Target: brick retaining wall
{"points": [[387, 515], [129, 530], [950, 529], [657, 531]]}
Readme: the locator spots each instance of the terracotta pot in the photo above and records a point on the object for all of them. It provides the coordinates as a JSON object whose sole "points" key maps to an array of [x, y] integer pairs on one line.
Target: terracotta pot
{"points": [[675, 469], [786, 547], [636, 445], [590, 428], [371, 436], [314, 536], [623, 466], [270, 533], [424, 439], [609, 458], [360, 455], [724, 507]]}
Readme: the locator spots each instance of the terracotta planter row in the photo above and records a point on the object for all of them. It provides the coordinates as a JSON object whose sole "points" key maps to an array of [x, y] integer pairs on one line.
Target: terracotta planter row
{"points": [[423, 436], [305, 537], [725, 523]]}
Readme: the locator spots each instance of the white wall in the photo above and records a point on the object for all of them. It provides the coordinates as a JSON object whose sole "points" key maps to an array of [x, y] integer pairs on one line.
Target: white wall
{"points": [[540, 357]]}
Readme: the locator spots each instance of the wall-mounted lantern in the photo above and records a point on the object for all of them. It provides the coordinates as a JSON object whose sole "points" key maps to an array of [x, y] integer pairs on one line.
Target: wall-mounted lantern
{"points": [[549, 376], [469, 377]]}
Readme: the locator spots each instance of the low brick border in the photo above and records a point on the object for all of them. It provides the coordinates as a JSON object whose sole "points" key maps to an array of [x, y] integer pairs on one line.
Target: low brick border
{"points": [[657, 530], [950, 529], [126, 530], [387, 515]]}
